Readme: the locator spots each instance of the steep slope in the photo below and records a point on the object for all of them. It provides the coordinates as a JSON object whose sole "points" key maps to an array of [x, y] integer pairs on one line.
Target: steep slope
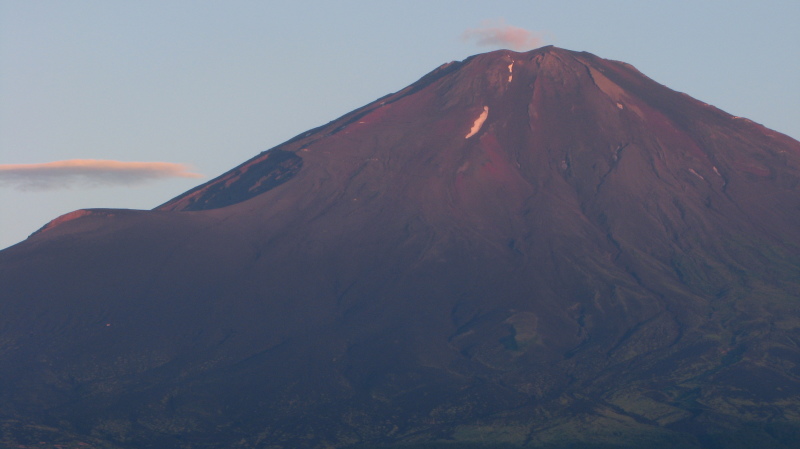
{"points": [[541, 248]]}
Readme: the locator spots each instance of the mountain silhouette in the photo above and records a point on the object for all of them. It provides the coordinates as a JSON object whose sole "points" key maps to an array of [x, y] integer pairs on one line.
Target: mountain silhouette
{"points": [[541, 249]]}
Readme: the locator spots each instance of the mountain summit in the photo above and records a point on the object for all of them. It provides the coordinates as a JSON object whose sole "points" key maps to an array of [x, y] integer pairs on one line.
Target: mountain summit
{"points": [[541, 249]]}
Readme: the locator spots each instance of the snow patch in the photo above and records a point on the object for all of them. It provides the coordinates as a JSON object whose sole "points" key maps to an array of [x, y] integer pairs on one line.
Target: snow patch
{"points": [[510, 71], [697, 174], [478, 122], [619, 105], [717, 171]]}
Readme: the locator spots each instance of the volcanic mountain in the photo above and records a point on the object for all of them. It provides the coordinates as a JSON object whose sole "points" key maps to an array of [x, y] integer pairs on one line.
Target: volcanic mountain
{"points": [[542, 249]]}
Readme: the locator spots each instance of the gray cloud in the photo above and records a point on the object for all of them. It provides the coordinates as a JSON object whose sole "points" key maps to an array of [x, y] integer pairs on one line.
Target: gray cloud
{"points": [[496, 33], [88, 173]]}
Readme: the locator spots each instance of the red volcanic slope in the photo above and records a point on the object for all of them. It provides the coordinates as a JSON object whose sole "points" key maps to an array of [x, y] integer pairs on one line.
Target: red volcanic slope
{"points": [[520, 248]]}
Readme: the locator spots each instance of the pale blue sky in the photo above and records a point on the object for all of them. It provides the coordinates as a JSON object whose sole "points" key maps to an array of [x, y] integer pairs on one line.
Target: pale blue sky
{"points": [[212, 83]]}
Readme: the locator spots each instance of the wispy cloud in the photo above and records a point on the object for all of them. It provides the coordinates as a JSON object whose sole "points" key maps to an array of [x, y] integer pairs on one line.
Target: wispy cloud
{"points": [[496, 33], [88, 173]]}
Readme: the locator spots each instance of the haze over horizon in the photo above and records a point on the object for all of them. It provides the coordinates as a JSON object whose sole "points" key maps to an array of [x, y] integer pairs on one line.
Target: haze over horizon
{"points": [[208, 86]]}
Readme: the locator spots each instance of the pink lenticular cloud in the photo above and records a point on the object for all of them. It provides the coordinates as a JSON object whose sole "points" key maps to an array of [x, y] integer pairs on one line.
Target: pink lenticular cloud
{"points": [[496, 33], [88, 173]]}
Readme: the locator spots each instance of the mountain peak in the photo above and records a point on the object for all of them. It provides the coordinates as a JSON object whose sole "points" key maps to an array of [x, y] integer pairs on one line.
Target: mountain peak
{"points": [[524, 249], [498, 89]]}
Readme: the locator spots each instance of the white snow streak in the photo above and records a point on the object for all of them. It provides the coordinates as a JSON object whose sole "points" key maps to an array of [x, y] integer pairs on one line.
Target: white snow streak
{"points": [[510, 71], [697, 174], [478, 122]]}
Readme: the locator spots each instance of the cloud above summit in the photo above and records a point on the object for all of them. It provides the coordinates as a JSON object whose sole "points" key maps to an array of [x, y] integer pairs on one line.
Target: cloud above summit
{"points": [[88, 173], [496, 33]]}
